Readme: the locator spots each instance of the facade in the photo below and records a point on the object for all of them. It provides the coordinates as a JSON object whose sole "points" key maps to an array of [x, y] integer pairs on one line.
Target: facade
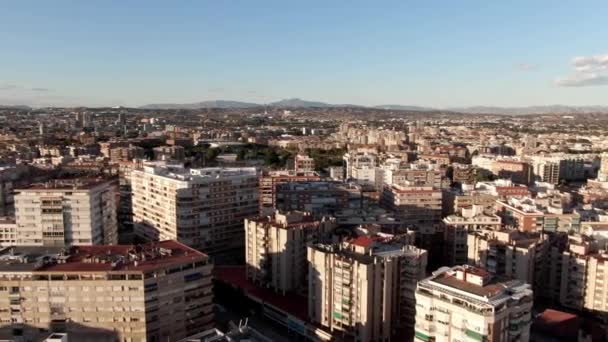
{"points": [[275, 248], [414, 205], [463, 303], [202, 208], [269, 181], [364, 288], [149, 292], [67, 212]]}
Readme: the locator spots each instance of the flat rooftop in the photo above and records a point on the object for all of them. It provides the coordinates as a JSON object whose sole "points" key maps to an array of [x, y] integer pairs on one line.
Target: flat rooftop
{"points": [[66, 184], [111, 258]]}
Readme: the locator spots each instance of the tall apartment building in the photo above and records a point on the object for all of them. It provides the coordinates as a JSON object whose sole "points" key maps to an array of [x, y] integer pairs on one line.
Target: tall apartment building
{"points": [[584, 275], [67, 212], [510, 253], [555, 168], [463, 303], [414, 205], [275, 248], [456, 228], [152, 292], [364, 288], [320, 198], [202, 208], [269, 181]]}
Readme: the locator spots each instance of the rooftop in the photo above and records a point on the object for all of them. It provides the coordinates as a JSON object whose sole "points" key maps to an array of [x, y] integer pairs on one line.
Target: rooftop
{"points": [[111, 258], [66, 184]]}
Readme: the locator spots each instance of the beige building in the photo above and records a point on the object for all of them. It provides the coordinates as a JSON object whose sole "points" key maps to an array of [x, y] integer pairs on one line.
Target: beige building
{"points": [[457, 226], [364, 288], [270, 180], [203, 208], [584, 275], [414, 205], [463, 303], [8, 231], [304, 163], [275, 248], [153, 292], [67, 212], [510, 253]]}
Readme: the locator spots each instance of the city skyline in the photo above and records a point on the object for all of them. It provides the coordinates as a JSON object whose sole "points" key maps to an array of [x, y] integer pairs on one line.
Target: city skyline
{"points": [[457, 55]]}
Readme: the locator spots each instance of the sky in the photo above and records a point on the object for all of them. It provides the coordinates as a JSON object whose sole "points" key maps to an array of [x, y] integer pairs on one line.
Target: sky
{"points": [[430, 53]]}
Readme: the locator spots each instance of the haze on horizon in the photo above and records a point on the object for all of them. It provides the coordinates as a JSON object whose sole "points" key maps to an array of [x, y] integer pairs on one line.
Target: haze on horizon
{"points": [[448, 54]]}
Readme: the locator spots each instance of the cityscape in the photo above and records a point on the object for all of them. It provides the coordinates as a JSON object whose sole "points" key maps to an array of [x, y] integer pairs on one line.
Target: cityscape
{"points": [[266, 217]]}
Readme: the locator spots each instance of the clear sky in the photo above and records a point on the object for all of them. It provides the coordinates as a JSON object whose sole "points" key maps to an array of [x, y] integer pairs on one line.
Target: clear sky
{"points": [[431, 53]]}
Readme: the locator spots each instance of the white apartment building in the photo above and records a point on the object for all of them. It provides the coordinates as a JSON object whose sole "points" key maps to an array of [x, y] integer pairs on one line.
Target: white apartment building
{"points": [[364, 288], [361, 167], [202, 208], [144, 293], [67, 212], [275, 248], [463, 303]]}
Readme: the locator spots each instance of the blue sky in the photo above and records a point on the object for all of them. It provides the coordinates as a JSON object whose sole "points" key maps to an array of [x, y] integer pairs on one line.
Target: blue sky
{"points": [[431, 53]]}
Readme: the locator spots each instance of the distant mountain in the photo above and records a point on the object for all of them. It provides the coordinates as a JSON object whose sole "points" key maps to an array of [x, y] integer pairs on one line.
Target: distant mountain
{"points": [[553, 109], [18, 107], [401, 107], [295, 102], [299, 103], [200, 105]]}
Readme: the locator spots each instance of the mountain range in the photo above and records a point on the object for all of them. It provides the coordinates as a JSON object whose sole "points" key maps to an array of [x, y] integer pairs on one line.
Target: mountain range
{"points": [[299, 103]]}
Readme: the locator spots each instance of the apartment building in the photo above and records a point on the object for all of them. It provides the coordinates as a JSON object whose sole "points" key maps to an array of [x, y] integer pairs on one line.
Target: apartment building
{"points": [[67, 212], [269, 181], [202, 208], [175, 152], [8, 231], [414, 205], [153, 292], [275, 248], [126, 153], [363, 289], [304, 163], [456, 228], [320, 198], [533, 215], [510, 253], [584, 275], [361, 167], [463, 303], [417, 174]]}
